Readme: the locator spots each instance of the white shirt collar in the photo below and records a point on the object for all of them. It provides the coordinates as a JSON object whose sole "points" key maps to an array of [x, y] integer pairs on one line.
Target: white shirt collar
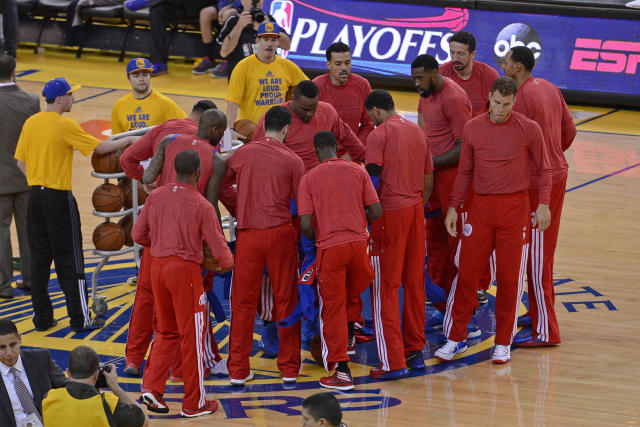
{"points": [[19, 366], [7, 84]]}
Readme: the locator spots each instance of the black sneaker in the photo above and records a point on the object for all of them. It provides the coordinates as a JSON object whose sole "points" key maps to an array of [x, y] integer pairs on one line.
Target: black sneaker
{"points": [[220, 71], [53, 324], [203, 67], [483, 297]]}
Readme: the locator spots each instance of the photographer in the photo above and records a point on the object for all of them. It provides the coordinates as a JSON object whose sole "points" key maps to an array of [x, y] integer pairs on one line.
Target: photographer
{"points": [[237, 38], [80, 403]]}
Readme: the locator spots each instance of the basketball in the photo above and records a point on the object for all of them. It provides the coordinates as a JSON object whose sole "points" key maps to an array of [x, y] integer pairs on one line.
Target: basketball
{"points": [[106, 163], [245, 128], [126, 223], [315, 348], [125, 186], [108, 237], [107, 198]]}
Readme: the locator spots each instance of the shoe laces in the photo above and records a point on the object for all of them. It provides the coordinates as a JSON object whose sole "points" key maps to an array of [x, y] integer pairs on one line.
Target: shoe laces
{"points": [[501, 350], [449, 346]]}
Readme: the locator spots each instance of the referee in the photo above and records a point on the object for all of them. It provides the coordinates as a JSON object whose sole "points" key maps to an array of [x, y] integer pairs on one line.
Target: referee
{"points": [[45, 155]]}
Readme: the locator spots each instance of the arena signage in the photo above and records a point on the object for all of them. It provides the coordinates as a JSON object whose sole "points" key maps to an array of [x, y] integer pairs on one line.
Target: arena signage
{"points": [[385, 37]]}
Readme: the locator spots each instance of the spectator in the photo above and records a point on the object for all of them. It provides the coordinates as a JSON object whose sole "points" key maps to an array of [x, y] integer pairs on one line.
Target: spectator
{"points": [[9, 12], [237, 38], [16, 107], [83, 402], [321, 409], [27, 375]]}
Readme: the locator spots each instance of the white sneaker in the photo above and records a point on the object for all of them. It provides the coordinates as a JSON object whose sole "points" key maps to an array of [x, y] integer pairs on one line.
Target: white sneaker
{"points": [[450, 349], [289, 379], [220, 369], [242, 381], [501, 354], [634, 4]]}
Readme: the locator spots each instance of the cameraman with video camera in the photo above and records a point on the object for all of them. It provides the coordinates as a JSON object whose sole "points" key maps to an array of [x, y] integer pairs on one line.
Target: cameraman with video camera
{"points": [[237, 38], [81, 403]]}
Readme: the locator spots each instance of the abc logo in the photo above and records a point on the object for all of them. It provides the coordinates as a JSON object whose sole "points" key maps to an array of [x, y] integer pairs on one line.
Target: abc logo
{"points": [[513, 35]]}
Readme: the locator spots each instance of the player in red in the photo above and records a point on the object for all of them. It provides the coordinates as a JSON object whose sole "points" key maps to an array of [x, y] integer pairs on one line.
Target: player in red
{"points": [[542, 101], [174, 222], [310, 116], [496, 154], [338, 196], [345, 90], [443, 110], [399, 161], [140, 329], [267, 174]]}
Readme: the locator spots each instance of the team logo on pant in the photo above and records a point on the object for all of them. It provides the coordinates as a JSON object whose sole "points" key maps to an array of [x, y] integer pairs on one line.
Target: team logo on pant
{"points": [[467, 229], [203, 299]]}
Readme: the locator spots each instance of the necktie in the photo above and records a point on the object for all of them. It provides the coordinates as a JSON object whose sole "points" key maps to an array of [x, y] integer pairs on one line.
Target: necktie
{"points": [[25, 398]]}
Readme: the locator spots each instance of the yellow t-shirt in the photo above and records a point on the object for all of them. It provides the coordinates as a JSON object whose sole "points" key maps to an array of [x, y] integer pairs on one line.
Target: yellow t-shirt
{"points": [[46, 145], [256, 86], [129, 113], [59, 409]]}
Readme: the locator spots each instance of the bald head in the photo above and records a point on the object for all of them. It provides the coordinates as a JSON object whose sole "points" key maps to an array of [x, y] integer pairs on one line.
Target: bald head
{"points": [[212, 125]]}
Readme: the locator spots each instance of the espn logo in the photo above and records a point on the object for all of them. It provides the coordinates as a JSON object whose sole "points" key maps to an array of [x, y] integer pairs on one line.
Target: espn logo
{"points": [[610, 56]]}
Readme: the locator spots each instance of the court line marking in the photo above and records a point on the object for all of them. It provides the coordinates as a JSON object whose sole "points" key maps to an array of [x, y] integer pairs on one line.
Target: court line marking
{"points": [[602, 177], [609, 133], [95, 96], [590, 119]]}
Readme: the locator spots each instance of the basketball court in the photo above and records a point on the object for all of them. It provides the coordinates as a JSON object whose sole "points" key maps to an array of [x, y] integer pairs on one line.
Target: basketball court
{"points": [[590, 379]]}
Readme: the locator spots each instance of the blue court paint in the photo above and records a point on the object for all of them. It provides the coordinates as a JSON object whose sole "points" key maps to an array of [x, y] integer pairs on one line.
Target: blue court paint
{"points": [[25, 73], [603, 177]]}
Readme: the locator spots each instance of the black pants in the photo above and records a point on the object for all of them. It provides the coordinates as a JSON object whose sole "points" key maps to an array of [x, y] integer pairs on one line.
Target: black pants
{"points": [[53, 228], [9, 11]]}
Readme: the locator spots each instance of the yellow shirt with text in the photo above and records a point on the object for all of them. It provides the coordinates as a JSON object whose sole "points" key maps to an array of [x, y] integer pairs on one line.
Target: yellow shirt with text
{"points": [[256, 86], [46, 146], [129, 113]]}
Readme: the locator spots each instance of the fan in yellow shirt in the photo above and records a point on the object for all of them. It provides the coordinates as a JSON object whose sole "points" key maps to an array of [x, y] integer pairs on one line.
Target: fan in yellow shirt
{"points": [[261, 80], [142, 107]]}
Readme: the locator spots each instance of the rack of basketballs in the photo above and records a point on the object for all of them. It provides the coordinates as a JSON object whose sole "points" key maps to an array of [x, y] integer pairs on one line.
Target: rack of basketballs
{"points": [[118, 203]]}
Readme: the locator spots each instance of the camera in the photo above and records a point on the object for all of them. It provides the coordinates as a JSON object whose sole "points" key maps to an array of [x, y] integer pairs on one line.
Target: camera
{"points": [[102, 381], [257, 14]]}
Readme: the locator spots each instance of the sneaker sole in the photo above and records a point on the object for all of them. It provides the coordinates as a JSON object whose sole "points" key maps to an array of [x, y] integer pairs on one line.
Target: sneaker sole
{"points": [[351, 352], [148, 402], [199, 414], [390, 376], [335, 387], [531, 344], [462, 350], [132, 372], [199, 73], [500, 362]]}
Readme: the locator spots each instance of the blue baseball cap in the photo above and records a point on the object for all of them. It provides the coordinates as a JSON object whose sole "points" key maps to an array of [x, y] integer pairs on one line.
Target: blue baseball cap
{"points": [[268, 29], [139, 64], [58, 87]]}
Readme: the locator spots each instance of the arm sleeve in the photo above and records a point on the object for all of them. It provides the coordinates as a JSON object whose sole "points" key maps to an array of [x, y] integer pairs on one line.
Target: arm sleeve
{"points": [[127, 414], [228, 195], [259, 130], [140, 232], [569, 131], [76, 137], [428, 161], [347, 139], [538, 152], [458, 112], [366, 125], [21, 147], [173, 111], [296, 74], [237, 83], [58, 378], [116, 125], [296, 175], [137, 152], [375, 148], [212, 233], [305, 202], [465, 171], [227, 27]]}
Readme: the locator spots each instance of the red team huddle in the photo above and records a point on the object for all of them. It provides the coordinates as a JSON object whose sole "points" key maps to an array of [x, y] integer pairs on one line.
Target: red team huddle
{"points": [[483, 171]]}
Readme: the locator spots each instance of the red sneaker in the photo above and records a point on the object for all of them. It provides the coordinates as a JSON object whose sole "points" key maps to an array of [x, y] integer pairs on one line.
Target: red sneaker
{"points": [[154, 402], [209, 408], [338, 380], [351, 345], [174, 379], [132, 369], [537, 343]]}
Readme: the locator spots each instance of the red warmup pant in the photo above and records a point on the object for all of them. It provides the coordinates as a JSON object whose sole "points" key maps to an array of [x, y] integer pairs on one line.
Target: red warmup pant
{"points": [[499, 222], [540, 268], [181, 318], [344, 272], [398, 252], [441, 247], [140, 323], [276, 248]]}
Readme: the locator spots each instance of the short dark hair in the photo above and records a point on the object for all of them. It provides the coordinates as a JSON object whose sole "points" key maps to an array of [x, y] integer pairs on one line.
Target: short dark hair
{"points": [[83, 362], [306, 88], [464, 37], [7, 327], [204, 105], [505, 85], [7, 65], [277, 118], [523, 55], [425, 61], [50, 100], [379, 98], [187, 162], [337, 47], [324, 405], [324, 139]]}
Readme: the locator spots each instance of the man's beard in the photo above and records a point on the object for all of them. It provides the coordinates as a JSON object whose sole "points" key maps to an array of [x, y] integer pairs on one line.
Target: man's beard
{"points": [[426, 92]]}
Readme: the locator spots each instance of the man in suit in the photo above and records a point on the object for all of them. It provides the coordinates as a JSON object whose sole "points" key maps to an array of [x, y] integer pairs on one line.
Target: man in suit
{"points": [[25, 377], [16, 106]]}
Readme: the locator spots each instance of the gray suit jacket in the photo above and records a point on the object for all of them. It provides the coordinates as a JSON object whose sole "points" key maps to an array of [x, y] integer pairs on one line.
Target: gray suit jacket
{"points": [[16, 106], [43, 374]]}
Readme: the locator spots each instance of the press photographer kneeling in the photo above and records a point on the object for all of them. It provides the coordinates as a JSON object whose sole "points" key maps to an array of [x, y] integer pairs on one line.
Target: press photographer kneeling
{"points": [[81, 403]]}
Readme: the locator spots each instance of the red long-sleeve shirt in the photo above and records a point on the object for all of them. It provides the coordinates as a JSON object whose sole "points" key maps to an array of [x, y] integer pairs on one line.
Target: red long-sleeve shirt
{"points": [[444, 114], [268, 175], [348, 100], [477, 86], [175, 220], [496, 157], [300, 138], [542, 102], [145, 147]]}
